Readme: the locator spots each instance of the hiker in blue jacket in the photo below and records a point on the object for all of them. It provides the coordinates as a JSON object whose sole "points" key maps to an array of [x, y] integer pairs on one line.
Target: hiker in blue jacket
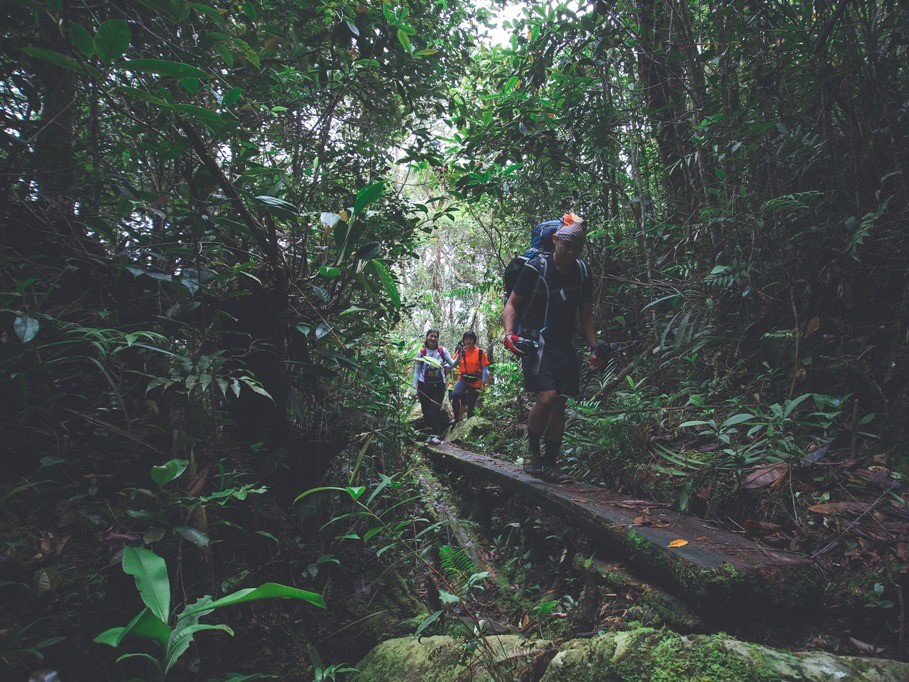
{"points": [[552, 292], [429, 382]]}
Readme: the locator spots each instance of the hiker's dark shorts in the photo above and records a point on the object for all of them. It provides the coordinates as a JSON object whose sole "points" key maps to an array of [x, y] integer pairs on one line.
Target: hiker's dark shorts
{"points": [[559, 370]]}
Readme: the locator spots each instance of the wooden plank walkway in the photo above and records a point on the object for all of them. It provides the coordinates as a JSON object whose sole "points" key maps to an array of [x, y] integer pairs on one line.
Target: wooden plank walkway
{"points": [[716, 571]]}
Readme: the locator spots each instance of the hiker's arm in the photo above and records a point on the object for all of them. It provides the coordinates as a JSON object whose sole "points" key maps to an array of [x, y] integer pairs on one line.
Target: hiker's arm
{"points": [[585, 312], [416, 373], [446, 358], [510, 314]]}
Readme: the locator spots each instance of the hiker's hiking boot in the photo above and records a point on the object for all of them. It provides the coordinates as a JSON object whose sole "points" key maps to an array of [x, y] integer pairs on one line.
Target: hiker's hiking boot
{"points": [[533, 467]]}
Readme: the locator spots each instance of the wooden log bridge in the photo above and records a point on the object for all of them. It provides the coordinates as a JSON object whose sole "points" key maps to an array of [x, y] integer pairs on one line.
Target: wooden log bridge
{"points": [[718, 572]]}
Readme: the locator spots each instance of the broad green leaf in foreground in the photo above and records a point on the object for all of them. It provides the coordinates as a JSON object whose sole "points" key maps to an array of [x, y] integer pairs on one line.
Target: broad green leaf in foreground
{"points": [[150, 573]]}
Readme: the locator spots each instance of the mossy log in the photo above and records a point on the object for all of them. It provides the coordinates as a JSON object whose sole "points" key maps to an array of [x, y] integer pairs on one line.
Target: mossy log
{"points": [[628, 656], [447, 659], [715, 571], [662, 607], [647, 654], [438, 502]]}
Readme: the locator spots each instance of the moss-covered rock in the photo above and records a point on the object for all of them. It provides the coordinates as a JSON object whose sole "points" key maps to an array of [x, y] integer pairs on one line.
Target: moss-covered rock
{"points": [[663, 656], [447, 659]]}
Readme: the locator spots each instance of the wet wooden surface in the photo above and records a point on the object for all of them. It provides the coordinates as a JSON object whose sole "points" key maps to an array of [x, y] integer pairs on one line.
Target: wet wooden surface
{"points": [[708, 567]]}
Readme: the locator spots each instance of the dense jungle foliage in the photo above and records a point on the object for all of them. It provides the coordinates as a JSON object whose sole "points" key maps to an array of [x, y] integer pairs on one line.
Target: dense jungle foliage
{"points": [[227, 224]]}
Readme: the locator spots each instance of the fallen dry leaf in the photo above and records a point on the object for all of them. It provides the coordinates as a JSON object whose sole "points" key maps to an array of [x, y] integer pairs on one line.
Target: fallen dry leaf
{"points": [[759, 528], [764, 476], [678, 543], [866, 648], [827, 508]]}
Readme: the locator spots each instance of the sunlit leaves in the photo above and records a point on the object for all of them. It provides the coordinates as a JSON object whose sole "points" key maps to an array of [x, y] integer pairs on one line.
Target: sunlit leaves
{"points": [[368, 196], [391, 288], [168, 471]]}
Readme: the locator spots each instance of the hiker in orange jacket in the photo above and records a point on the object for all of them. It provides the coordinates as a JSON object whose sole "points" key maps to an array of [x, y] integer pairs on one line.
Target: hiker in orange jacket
{"points": [[473, 374]]}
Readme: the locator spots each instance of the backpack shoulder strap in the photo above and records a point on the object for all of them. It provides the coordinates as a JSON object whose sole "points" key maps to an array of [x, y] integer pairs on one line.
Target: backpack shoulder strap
{"points": [[585, 272]]}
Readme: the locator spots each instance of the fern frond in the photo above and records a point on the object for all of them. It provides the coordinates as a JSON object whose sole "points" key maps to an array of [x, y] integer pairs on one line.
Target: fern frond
{"points": [[455, 563]]}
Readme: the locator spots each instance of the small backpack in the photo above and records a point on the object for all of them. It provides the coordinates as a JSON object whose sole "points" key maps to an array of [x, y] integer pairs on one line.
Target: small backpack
{"points": [[431, 373]]}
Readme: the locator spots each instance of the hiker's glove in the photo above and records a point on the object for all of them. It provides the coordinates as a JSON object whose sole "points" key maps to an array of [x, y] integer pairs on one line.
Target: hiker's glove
{"points": [[599, 357], [511, 343]]}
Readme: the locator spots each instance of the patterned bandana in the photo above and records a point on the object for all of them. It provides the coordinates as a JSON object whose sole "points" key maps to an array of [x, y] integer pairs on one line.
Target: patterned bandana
{"points": [[572, 228]]}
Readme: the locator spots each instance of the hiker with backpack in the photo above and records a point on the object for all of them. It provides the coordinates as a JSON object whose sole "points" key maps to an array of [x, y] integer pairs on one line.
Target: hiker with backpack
{"points": [[473, 373], [429, 382], [551, 292]]}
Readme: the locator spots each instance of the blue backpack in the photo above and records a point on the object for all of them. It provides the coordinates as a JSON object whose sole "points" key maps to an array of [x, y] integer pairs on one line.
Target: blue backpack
{"points": [[540, 242]]}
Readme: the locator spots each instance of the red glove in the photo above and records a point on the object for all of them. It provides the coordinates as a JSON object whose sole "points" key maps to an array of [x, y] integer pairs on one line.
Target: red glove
{"points": [[599, 357], [511, 341]]}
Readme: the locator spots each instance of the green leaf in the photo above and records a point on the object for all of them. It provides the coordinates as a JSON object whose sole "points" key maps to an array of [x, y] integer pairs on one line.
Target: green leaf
{"points": [[199, 113], [792, 404], [390, 287], [404, 39], [426, 622], [111, 39], [231, 97], [26, 328], [282, 208], [144, 624], [194, 535], [738, 419], [266, 591], [329, 272], [191, 85], [163, 67], [208, 11], [182, 638], [225, 54], [111, 637], [368, 196], [355, 491], [322, 330], [169, 471], [369, 251], [81, 38], [62, 61], [448, 597], [150, 573]]}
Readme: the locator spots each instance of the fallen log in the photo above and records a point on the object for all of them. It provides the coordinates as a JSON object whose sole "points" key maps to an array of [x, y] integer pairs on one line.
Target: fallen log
{"points": [[716, 571]]}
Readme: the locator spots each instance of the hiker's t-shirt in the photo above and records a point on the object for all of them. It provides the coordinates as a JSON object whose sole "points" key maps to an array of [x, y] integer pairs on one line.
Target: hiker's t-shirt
{"points": [[432, 372], [565, 294], [471, 364]]}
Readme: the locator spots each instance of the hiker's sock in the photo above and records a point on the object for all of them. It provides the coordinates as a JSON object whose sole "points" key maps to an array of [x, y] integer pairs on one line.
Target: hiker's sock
{"points": [[551, 452], [533, 444]]}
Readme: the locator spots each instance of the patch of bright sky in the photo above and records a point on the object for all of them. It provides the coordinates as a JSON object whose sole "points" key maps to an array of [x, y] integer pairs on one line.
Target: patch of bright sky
{"points": [[499, 35]]}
